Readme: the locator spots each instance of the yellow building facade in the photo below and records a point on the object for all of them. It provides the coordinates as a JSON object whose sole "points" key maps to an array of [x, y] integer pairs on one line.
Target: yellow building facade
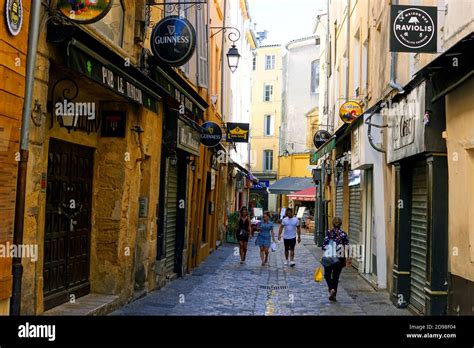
{"points": [[266, 115]]}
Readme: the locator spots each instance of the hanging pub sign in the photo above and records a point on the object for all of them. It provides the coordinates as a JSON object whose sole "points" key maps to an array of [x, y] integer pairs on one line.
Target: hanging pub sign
{"points": [[413, 29], [14, 16], [237, 132], [320, 137], [173, 40], [84, 11], [211, 134], [349, 111]]}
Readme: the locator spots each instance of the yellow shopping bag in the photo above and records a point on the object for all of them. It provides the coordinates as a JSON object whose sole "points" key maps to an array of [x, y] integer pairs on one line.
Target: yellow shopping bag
{"points": [[318, 274]]}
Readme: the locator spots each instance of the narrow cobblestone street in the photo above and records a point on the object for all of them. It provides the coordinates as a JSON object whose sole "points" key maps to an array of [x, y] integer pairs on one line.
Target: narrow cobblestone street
{"points": [[222, 286]]}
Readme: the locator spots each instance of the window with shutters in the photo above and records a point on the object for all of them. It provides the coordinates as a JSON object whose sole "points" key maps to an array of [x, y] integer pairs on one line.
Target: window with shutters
{"points": [[267, 93], [268, 125], [270, 62], [268, 160], [203, 68]]}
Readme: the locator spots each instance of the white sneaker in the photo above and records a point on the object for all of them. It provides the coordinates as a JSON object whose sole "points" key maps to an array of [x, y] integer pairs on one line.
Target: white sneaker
{"points": [[286, 263], [292, 264]]}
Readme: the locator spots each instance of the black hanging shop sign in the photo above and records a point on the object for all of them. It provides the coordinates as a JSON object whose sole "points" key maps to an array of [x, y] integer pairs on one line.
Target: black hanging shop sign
{"points": [[105, 73], [238, 132], [173, 40], [211, 134], [413, 29]]}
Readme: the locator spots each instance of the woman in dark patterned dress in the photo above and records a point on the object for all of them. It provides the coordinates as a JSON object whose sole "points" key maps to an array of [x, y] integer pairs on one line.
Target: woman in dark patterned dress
{"points": [[244, 231]]}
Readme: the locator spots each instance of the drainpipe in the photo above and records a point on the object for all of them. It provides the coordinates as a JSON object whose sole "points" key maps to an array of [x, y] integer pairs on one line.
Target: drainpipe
{"points": [[222, 60], [393, 67], [348, 42], [17, 268]]}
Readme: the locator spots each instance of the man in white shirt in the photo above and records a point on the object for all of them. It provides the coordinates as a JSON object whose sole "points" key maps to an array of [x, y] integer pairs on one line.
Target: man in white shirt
{"points": [[291, 226]]}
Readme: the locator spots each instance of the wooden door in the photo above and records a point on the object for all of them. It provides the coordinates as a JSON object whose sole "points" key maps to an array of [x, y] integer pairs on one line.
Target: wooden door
{"points": [[67, 223]]}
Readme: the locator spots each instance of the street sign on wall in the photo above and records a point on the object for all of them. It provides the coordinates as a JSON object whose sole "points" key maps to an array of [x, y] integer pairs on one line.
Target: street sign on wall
{"points": [[14, 16], [413, 29]]}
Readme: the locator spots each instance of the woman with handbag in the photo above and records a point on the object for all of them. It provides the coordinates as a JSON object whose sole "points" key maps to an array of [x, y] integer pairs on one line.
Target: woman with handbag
{"points": [[334, 259], [244, 231], [265, 237]]}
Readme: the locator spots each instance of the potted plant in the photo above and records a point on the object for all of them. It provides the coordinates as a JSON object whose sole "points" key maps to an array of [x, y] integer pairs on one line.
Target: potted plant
{"points": [[232, 219]]}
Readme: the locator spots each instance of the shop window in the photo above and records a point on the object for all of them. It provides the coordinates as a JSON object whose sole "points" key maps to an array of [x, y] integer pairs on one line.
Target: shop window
{"points": [[112, 24]]}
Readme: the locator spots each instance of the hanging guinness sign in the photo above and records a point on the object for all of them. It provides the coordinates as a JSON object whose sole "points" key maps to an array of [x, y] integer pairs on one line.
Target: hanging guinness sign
{"points": [[211, 134], [173, 40], [413, 29], [320, 137], [84, 11], [14, 16]]}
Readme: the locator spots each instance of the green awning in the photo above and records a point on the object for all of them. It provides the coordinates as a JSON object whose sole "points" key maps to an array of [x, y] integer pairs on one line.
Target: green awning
{"points": [[327, 147]]}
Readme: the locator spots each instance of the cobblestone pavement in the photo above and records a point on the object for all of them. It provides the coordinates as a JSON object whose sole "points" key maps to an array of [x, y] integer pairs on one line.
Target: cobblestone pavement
{"points": [[222, 286]]}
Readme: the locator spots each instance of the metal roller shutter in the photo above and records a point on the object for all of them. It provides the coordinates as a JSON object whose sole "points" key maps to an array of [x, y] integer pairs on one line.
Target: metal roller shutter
{"points": [[171, 207], [339, 195], [418, 236], [355, 219]]}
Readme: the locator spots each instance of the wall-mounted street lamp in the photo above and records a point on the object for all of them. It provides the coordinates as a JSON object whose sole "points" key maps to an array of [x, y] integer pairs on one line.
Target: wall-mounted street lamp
{"points": [[69, 92], [233, 55], [174, 160]]}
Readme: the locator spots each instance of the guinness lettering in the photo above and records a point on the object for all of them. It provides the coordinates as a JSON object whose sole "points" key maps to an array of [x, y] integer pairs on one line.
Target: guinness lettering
{"points": [[173, 40], [211, 134]]}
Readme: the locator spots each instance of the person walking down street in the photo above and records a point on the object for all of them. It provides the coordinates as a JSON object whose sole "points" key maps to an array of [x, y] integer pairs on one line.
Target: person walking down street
{"points": [[244, 231], [291, 226], [265, 237], [334, 259]]}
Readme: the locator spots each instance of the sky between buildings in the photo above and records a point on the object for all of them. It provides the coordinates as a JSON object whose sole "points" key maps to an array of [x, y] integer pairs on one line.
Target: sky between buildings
{"points": [[285, 20]]}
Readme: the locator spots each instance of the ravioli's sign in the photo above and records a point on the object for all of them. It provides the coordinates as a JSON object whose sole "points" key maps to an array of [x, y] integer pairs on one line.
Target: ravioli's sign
{"points": [[413, 29], [173, 40]]}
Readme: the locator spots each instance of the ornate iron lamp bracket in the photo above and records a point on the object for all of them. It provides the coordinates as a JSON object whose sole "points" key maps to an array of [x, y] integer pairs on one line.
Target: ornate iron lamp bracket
{"points": [[178, 6], [233, 35]]}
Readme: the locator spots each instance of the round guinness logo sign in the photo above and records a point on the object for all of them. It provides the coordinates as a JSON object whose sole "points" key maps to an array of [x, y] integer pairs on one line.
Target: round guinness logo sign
{"points": [[173, 40], [211, 134], [413, 28]]}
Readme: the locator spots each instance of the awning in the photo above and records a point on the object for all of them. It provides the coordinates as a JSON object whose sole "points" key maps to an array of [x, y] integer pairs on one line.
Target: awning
{"points": [[308, 195], [248, 174], [451, 68], [290, 185]]}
